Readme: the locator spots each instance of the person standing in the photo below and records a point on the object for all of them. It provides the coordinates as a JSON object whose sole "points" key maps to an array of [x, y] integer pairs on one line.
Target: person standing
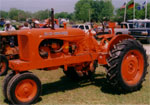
{"points": [[25, 26], [8, 26]]}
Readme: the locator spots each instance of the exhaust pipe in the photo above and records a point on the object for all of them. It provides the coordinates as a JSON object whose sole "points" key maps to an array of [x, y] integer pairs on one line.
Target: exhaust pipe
{"points": [[52, 18]]}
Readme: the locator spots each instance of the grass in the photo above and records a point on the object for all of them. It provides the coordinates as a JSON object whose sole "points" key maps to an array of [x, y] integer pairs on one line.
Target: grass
{"points": [[58, 89]]}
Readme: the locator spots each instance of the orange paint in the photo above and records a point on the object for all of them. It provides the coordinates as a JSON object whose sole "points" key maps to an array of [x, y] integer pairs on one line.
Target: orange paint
{"points": [[26, 90], [132, 67], [2, 66]]}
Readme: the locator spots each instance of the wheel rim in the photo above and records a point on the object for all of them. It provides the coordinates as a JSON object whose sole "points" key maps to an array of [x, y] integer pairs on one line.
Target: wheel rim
{"points": [[2, 67], [132, 67], [26, 90]]}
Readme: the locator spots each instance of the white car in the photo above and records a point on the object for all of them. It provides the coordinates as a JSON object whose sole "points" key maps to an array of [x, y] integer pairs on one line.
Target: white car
{"points": [[123, 28], [85, 28]]}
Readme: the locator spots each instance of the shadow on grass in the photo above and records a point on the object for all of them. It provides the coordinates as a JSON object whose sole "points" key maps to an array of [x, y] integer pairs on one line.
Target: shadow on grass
{"points": [[63, 85], [66, 84], [6, 101]]}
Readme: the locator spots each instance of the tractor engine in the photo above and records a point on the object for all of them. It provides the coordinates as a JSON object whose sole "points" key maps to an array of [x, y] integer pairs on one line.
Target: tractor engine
{"points": [[55, 48]]}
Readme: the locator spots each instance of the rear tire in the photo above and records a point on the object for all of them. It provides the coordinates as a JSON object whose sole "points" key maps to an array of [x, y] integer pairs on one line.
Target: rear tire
{"points": [[127, 65], [24, 88], [3, 65]]}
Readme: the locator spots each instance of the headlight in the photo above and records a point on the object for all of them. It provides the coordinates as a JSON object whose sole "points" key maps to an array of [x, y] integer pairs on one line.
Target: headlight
{"points": [[144, 33]]}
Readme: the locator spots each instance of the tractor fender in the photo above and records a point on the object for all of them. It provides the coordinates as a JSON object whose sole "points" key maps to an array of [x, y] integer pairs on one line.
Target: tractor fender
{"points": [[116, 39], [102, 59]]}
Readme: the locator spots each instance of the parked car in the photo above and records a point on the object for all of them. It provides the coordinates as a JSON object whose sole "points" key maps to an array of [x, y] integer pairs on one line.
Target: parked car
{"points": [[84, 27], [141, 29], [123, 28]]}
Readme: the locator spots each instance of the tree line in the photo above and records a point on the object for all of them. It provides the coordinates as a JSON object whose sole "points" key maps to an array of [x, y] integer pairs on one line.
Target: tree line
{"points": [[85, 10]]}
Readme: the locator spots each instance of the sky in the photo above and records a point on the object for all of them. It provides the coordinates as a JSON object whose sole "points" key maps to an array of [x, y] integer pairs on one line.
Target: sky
{"points": [[58, 5]]}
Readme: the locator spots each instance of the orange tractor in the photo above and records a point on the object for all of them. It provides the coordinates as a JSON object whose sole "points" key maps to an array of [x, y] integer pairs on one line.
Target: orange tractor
{"points": [[78, 54]]}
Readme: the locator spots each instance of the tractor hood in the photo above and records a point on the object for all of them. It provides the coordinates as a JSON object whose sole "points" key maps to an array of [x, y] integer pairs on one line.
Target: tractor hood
{"points": [[60, 33]]}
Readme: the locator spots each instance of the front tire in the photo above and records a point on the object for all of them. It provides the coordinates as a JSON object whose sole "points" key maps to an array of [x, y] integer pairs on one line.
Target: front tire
{"points": [[127, 65], [6, 80], [24, 88]]}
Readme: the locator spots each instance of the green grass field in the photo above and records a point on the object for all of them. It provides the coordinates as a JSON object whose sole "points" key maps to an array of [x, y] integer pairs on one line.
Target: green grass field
{"points": [[58, 89]]}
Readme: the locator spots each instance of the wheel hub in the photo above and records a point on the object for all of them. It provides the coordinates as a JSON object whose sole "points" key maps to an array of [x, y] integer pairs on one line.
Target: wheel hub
{"points": [[26, 90], [132, 67]]}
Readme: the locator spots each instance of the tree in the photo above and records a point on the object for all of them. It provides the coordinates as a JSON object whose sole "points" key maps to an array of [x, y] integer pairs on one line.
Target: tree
{"points": [[13, 14], [94, 9], [3, 14], [102, 10], [62, 15], [82, 9], [42, 14], [19, 15]]}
